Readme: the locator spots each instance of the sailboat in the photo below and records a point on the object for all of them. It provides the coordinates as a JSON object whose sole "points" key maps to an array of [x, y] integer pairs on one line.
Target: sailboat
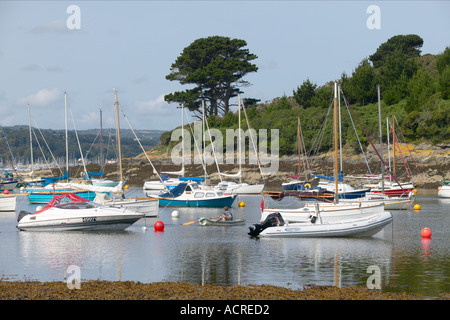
{"points": [[241, 187], [52, 187], [325, 218], [388, 192]]}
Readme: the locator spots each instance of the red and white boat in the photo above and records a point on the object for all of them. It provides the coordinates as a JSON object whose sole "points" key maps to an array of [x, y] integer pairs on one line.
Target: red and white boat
{"points": [[71, 212], [392, 188]]}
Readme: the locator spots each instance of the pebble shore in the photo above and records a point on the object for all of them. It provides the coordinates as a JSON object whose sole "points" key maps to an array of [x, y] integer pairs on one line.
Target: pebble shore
{"points": [[128, 290]]}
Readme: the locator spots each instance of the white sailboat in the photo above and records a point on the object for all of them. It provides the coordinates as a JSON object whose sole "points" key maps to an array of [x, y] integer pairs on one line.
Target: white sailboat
{"points": [[241, 187], [324, 219]]}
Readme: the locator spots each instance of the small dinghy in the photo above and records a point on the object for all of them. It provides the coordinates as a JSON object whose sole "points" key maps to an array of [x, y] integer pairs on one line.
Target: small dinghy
{"points": [[275, 226], [217, 222]]}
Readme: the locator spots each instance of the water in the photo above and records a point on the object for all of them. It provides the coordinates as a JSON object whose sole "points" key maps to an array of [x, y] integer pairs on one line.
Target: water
{"points": [[227, 256]]}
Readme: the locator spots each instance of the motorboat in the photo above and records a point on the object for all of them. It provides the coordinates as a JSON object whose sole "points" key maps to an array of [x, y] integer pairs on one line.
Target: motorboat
{"points": [[275, 226], [189, 194], [240, 188], [8, 202], [218, 222], [390, 202], [444, 190], [166, 183], [330, 212], [149, 207], [69, 212]]}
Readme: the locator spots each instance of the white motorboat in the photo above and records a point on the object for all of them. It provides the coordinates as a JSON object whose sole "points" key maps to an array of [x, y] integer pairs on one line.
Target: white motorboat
{"points": [[8, 202], [71, 212], [240, 188], [149, 207], [275, 226], [444, 190], [390, 202]]}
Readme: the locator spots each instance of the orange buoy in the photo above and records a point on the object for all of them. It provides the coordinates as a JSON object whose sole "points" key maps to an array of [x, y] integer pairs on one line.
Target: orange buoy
{"points": [[241, 204], [426, 233], [159, 226], [417, 207]]}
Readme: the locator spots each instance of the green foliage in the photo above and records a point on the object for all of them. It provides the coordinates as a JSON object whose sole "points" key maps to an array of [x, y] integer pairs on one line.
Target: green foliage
{"points": [[216, 66], [305, 93], [407, 44]]}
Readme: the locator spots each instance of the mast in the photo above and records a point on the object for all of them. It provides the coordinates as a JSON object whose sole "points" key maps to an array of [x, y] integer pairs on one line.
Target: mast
{"points": [[102, 161], [239, 142], [340, 133], [381, 140], [118, 138], [388, 148], [393, 143], [298, 146], [31, 143], [336, 195], [67, 139]]}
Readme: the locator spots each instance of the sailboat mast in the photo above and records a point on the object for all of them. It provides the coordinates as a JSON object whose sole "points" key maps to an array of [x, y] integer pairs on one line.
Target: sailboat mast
{"points": [[118, 138], [67, 138], [381, 140], [31, 143], [102, 161], [239, 142], [299, 147], [340, 132], [393, 144], [336, 195]]}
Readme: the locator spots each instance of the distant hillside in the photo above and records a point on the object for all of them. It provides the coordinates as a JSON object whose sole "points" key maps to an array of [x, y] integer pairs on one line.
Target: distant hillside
{"points": [[18, 140]]}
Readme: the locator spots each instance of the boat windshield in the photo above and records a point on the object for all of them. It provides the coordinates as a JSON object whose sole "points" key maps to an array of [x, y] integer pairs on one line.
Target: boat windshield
{"points": [[76, 205]]}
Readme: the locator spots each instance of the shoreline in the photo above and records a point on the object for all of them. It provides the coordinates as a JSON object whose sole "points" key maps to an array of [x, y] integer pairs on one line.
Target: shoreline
{"points": [[129, 290]]}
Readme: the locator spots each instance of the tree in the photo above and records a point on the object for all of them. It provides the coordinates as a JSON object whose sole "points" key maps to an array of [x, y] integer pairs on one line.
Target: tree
{"points": [[216, 66], [408, 44], [304, 94]]}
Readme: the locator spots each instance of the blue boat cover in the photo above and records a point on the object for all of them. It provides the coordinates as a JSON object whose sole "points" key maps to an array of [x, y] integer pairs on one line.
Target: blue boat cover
{"points": [[49, 180], [191, 179], [175, 192], [330, 178]]}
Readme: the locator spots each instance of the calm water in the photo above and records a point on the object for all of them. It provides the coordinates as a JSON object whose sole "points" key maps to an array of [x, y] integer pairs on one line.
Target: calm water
{"points": [[227, 256]]}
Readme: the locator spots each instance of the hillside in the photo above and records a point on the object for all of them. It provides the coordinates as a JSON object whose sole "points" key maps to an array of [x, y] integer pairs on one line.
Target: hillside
{"points": [[18, 140]]}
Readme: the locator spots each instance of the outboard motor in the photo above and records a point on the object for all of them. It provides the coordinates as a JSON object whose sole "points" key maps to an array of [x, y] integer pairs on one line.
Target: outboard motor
{"points": [[272, 220], [22, 214]]}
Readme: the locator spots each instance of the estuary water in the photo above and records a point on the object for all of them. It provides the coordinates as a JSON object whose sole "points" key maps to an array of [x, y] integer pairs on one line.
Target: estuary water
{"points": [[397, 256]]}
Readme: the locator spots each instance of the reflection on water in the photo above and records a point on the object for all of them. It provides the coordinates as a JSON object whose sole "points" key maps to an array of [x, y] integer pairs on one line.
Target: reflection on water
{"points": [[227, 256]]}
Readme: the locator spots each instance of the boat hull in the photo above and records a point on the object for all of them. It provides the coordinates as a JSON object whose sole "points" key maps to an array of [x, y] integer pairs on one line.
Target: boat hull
{"points": [[148, 207], [329, 212], [8, 202], [216, 222], [444, 191], [365, 227], [208, 203], [41, 197]]}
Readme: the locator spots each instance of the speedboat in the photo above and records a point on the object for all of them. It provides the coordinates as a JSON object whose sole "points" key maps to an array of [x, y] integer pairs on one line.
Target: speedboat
{"points": [[275, 226], [71, 212], [189, 194]]}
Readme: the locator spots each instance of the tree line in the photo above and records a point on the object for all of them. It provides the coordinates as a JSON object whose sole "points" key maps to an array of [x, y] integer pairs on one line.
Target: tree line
{"points": [[415, 89]]}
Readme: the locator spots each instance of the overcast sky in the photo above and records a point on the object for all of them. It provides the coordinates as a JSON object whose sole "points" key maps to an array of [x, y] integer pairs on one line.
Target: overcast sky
{"points": [[129, 46]]}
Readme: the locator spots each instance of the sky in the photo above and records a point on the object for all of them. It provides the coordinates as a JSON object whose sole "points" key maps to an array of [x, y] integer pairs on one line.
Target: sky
{"points": [[47, 49]]}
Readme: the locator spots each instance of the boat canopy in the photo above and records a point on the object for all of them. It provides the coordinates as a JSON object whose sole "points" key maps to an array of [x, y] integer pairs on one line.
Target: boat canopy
{"points": [[64, 198], [175, 192]]}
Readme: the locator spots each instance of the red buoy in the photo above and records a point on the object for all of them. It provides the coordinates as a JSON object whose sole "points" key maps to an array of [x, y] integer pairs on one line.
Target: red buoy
{"points": [[6, 191], [159, 226], [426, 233]]}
